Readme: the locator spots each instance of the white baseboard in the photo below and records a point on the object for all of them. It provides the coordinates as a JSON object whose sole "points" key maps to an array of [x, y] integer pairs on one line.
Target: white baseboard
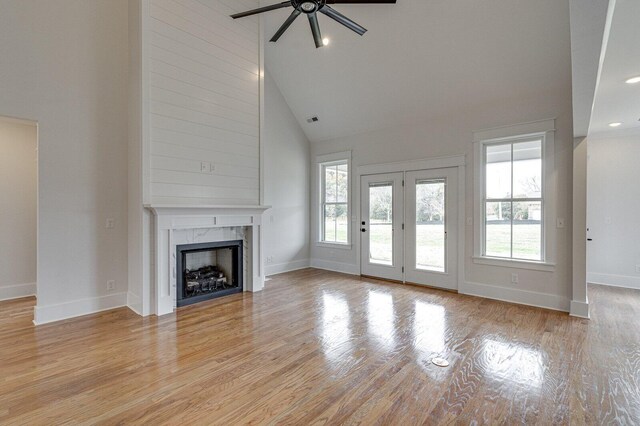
{"points": [[76, 308], [614, 280], [345, 268], [17, 291], [505, 294], [134, 302], [286, 267], [579, 309]]}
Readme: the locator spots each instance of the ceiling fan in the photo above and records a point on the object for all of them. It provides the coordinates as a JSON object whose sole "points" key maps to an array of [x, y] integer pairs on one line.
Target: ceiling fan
{"points": [[310, 8]]}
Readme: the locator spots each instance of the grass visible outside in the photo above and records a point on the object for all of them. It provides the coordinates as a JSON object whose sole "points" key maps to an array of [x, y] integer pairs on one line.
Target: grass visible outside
{"points": [[381, 243], [526, 241], [336, 231], [430, 242]]}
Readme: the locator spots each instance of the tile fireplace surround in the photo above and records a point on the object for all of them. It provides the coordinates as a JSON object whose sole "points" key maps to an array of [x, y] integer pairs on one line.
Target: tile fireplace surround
{"points": [[175, 225]]}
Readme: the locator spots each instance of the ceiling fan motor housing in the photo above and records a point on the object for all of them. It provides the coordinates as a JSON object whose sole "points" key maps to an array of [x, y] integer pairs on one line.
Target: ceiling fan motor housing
{"points": [[308, 6]]}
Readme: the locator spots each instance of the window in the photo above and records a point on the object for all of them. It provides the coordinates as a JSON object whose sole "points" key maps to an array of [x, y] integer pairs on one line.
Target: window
{"points": [[513, 200], [515, 196], [334, 201]]}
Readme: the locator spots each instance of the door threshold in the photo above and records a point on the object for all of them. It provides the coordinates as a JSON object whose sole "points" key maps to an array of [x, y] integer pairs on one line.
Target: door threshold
{"points": [[448, 290]]}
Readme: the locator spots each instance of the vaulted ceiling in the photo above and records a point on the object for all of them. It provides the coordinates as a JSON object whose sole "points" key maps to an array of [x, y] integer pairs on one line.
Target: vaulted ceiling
{"points": [[420, 59]]}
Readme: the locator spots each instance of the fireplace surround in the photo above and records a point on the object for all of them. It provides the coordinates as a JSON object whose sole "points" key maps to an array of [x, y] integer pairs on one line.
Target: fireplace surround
{"points": [[175, 225]]}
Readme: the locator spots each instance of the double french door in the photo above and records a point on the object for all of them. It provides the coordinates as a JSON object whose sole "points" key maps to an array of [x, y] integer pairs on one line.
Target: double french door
{"points": [[408, 227]]}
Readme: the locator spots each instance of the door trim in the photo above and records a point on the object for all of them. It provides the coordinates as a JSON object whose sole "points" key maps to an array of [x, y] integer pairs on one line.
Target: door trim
{"points": [[458, 161]]}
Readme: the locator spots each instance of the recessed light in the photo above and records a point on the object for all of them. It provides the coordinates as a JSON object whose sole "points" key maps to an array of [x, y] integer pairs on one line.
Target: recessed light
{"points": [[633, 80], [326, 41], [616, 124]]}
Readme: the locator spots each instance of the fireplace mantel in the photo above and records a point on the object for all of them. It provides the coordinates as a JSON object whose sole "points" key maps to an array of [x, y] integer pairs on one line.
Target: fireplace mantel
{"points": [[172, 218]]}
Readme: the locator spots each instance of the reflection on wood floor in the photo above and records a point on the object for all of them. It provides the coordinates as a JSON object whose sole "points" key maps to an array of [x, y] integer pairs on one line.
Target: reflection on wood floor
{"points": [[320, 347]]}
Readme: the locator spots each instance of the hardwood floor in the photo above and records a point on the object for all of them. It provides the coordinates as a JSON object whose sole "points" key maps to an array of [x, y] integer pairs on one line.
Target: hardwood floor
{"points": [[323, 348]]}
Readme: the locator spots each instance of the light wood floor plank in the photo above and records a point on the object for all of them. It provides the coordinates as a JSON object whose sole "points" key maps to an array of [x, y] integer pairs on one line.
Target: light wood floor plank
{"points": [[318, 347]]}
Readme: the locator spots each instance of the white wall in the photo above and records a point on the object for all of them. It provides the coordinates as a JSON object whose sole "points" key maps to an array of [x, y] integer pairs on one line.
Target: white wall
{"points": [[613, 211], [18, 204], [286, 185], [64, 65], [452, 135], [204, 103]]}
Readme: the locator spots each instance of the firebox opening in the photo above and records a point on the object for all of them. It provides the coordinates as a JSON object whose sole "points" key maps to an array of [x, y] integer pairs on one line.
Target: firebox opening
{"points": [[207, 271]]}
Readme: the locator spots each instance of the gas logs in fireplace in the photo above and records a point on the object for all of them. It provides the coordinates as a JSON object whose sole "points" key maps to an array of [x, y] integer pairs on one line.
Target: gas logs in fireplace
{"points": [[204, 280]]}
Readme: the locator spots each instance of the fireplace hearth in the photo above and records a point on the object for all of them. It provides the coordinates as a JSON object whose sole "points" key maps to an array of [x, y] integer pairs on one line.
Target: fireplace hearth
{"points": [[208, 270]]}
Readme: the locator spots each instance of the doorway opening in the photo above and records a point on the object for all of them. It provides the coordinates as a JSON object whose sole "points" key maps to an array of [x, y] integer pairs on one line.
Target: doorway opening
{"points": [[19, 212]]}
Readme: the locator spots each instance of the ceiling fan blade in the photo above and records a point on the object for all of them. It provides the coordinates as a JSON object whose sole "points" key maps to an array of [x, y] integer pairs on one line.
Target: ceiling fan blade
{"points": [[315, 29], [339, 17], [262, 9], [286, 25], [361, 1]]}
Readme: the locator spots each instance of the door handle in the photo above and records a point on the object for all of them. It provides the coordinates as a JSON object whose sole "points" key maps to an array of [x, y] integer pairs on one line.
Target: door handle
{"points": [[363, 230]]}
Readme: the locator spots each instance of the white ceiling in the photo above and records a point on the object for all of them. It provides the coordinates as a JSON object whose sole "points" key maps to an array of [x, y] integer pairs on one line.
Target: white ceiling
{"points": [[616, 101], [420, 59]]}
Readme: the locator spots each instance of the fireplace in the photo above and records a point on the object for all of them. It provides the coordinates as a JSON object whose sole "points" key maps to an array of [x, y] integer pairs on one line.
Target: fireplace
{"points": [[208, 270]]}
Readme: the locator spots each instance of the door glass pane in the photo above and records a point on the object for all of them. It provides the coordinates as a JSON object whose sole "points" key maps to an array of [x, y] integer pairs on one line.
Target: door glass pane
{"points": [[381, 223], [430, 225], [527, 169], [527, 230], [498, 229]]}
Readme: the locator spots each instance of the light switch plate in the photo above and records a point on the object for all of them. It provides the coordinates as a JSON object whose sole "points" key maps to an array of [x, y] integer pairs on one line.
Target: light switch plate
{"points": [[560, 223], [110, 223]]}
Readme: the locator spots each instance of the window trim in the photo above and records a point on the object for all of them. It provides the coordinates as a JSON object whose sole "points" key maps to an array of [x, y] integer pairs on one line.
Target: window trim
{"points": [[544, 130], [328, 160]]}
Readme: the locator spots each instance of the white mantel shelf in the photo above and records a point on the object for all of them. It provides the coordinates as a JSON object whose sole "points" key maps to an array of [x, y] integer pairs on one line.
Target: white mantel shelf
{"points": [[204, 206], [178, 218]]}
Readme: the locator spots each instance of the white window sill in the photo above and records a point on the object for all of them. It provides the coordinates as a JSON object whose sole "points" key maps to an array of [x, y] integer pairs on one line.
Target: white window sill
{"points": [[513, 263], [340, 246]]}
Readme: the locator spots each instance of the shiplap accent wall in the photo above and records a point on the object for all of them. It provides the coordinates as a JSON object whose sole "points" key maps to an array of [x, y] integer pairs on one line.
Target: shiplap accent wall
{"points": [[204, 102]]}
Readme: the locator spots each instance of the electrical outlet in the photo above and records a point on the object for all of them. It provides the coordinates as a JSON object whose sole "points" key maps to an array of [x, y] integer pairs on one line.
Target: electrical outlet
{"points": [[560, 223], [212, 167], [110, 223], [514, 278], [205, 167], [111, 285]]}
